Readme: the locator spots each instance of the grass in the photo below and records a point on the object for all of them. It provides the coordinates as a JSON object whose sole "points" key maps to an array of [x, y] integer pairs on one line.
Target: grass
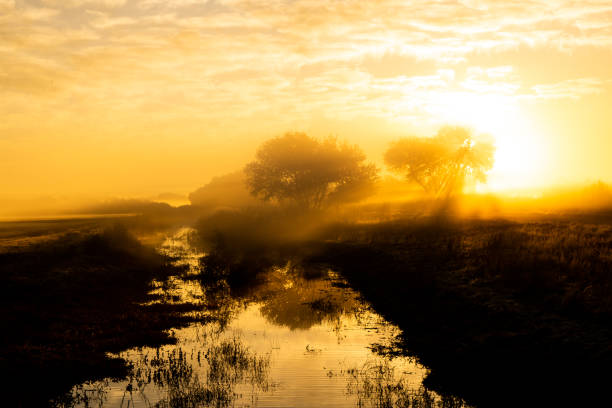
{"points": [[379, 385], [209, 379], [68, 301], [496, 309]]}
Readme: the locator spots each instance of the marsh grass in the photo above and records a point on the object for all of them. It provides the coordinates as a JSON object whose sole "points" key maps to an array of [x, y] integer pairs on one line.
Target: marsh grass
{"points": [[486, 304], [378, 384], [231, 362], [568, 263], [208, 379], [68, 301]]}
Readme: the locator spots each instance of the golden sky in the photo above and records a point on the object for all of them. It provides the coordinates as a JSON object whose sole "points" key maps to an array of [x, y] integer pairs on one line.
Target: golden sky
{"points": [[137, 97]]}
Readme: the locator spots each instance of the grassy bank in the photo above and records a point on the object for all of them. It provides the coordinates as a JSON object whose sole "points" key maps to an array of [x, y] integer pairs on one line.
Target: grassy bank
{"points": [[504, 314], [70, 300]]}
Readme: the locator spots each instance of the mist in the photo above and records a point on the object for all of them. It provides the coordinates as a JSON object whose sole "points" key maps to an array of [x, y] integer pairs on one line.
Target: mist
{"points": [[229, 190]]}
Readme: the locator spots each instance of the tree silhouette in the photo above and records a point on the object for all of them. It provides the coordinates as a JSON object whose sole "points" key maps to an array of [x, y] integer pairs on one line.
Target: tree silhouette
{"points": [[443, 163], [309, 173]]}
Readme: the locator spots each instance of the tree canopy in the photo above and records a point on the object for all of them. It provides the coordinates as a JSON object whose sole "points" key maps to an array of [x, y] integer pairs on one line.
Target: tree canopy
{"points": [[443, 163], [308, 172]]}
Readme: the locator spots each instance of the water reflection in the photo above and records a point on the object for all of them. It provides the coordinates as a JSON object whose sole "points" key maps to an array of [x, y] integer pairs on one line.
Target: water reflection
{"points": [[293, 301], [295, 337], [176, 373], [216, 375]]}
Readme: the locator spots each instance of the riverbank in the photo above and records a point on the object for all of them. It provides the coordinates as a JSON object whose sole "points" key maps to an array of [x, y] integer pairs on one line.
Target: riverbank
{"points": [[71, 299], [503, 313]]}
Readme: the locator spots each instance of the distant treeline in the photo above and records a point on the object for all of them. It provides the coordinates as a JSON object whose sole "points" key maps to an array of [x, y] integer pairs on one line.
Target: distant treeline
{"points": [[299, 171]]}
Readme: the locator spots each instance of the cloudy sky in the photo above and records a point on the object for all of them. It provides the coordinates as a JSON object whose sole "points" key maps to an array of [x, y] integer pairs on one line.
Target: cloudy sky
{"points": [[130, 97]]}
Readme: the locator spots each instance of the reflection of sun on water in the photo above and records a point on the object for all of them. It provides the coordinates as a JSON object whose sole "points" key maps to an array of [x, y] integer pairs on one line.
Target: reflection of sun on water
{"points": [[520, 156]]}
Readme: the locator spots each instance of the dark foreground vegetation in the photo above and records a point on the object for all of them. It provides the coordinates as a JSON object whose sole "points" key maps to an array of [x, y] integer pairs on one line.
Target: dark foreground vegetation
{"points": [[69, 301], [503, 313]]}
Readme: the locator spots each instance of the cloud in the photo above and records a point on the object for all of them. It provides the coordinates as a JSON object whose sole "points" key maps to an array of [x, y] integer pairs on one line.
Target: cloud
{"points": [[7, 5], [173, 4], [84, 3], [217, 60], [571, 88], [103, 21], [37, 13]]}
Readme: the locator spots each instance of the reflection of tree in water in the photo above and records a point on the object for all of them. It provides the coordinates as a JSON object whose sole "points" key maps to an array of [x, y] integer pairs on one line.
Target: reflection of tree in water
{"points": [[291, 296], [299, 303], [377, 384], [222, 305]]}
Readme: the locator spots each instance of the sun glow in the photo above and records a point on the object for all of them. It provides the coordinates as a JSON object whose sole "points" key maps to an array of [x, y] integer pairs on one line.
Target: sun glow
{"points": [[519, 157]]}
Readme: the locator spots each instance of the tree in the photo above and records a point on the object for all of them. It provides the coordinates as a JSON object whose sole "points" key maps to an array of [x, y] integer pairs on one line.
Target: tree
{"points": [[309, 173], [225, 191], [443, 163]]}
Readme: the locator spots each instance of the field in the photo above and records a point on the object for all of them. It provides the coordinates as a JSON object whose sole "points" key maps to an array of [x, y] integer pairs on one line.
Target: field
{"points": [[73, 291], [512, 308], [492, 307]]}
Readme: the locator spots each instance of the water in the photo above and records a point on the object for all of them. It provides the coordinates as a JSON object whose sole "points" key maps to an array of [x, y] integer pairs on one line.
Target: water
{"points": [[289, 342]]}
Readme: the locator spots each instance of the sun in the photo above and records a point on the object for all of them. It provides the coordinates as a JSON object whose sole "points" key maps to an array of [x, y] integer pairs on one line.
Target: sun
{"points": [[519, 156]]}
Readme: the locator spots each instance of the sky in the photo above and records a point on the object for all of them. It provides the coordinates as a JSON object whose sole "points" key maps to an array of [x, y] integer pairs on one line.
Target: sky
{"points": [[138, 97]]}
